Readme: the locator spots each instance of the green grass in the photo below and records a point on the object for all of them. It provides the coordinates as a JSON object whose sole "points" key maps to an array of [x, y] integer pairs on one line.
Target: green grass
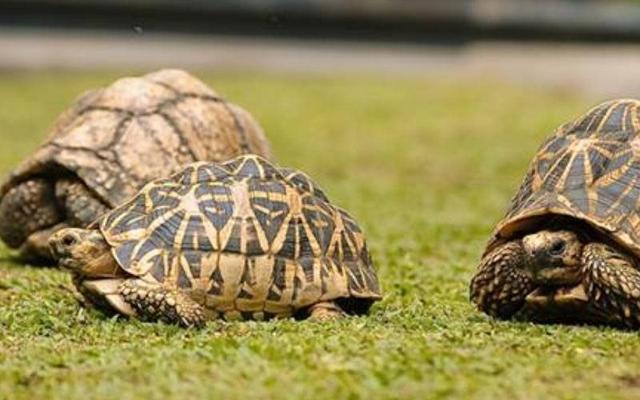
{"points": [[426, 166]]}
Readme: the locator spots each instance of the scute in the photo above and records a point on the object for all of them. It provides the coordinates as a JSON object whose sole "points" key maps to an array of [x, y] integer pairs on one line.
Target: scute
{"points": [[589, 170], [248, 235], [302, 181], [120, 137], [132, 95], [180, 81]]}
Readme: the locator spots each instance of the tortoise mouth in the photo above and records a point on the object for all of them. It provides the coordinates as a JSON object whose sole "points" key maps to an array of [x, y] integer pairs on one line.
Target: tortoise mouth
{"points": [[558, 292], [69, 263], [66, 263], [564, 305], [557, 298], [556, 277]]}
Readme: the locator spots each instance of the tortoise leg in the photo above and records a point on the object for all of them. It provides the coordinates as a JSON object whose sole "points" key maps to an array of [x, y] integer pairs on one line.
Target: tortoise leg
{"points": [[500, 286], [159, 303], [81, 206], [27, 208], [36, 248], [612, 284], [325, 311]]}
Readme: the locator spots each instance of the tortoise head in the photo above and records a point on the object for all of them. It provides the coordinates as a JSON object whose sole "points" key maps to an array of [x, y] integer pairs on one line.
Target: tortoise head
{"points": [[553, 257], [84, 252]]}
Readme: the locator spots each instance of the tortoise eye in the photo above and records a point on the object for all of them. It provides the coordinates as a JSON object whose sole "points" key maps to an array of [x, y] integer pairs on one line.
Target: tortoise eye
{"points": [[557, 248], [69, 240]]}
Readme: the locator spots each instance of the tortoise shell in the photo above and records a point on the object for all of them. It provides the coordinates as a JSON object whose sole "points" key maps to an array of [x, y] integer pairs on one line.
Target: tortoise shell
{"points": [[118, 138], [244, 236], [589, 170]]}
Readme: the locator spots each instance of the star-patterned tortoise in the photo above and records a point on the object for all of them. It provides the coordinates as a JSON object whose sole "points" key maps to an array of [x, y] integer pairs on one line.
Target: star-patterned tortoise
{"points": [[243, 239], [568, 248], [111, 142]]}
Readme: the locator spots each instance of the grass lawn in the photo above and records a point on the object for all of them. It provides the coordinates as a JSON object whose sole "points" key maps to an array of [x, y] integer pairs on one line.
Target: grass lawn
{"points": [[426, 166]]}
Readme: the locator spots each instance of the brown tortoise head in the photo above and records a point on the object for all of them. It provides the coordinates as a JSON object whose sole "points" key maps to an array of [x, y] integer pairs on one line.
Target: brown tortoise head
{"points": [[553, 257], [84, 252]]}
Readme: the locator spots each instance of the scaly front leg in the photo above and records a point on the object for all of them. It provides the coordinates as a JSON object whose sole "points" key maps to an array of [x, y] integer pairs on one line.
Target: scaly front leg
{"points": [[612, 284], [36, 248], [154, 302], [500, 286]]}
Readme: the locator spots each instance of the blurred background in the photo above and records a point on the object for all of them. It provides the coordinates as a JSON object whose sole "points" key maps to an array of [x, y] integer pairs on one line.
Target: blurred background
{"points": [[419, 117], [586, 45]]}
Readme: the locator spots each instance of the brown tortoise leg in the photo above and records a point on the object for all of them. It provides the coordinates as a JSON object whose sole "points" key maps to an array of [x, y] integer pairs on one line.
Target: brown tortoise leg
{"points": [[325, 311], [612, 284], [27, 208], [80, 205], [33, 210], [36, 248], [500, 286], [154, 302]]}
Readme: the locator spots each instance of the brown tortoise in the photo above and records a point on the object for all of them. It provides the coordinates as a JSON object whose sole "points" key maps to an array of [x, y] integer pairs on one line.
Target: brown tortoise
{"points": [[568, 248], [111, 142], [240, 239]]}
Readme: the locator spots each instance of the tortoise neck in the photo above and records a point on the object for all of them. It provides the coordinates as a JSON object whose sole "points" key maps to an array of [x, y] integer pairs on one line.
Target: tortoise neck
{"points": [[102, 266]]}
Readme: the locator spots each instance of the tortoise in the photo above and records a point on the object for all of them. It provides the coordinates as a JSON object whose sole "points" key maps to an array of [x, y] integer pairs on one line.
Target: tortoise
{"points": [[111, 142], [568, 249], [243, 239]]}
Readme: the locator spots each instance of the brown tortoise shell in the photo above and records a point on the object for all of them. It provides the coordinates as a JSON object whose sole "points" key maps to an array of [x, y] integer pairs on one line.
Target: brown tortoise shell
{"points": [[244, 236], [588, 170], [118, 138]]}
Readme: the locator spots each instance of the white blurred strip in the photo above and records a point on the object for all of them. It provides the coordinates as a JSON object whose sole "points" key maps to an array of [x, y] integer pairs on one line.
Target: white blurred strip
{"points": [[599, 70]]}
